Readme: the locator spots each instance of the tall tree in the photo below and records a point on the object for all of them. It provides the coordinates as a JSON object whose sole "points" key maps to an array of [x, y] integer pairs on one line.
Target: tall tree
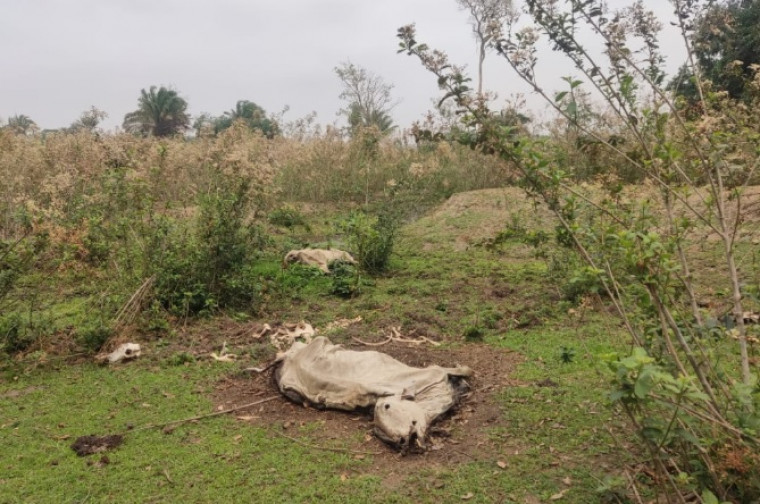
{"points": [[88, 121], [379, 118], [725, 38], [22, 125], [204, 125], [252, 114], [368, 98], [160, 112], [486, 17]]}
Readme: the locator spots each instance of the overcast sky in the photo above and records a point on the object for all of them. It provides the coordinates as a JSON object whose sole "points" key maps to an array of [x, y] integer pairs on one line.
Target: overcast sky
{"points": [[60, 57]]}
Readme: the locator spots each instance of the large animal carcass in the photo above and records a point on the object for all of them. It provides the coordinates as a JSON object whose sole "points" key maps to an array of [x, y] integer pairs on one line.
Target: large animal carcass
{"points": [[406, 400], [321, 258]]}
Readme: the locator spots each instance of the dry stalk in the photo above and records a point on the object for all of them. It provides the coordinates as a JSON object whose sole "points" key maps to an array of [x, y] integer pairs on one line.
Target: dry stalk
{"points": [[207, 415], [131, 308], [323, 448]]}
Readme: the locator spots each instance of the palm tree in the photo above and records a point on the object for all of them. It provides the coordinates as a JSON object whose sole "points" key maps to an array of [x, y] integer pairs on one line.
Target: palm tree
{"points": [[160, 113], [359, 117], [250, 113], [22, 125]]}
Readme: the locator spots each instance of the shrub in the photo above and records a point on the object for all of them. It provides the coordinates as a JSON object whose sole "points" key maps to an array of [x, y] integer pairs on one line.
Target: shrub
{"points": [[19, 333], [687, 397], [93, 336], [346, 282], [371, 239], [288, 217], [207, 265], [13, 334]]}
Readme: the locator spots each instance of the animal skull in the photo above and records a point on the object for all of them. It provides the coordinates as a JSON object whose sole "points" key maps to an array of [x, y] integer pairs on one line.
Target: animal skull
{"points": [[126, 351]]}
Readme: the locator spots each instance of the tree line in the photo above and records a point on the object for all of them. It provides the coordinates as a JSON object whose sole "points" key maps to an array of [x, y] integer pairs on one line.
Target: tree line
{"points": [[161, 111]]}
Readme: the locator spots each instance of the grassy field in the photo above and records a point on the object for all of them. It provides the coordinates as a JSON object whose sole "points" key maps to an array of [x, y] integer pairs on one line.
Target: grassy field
{"points": [[537, 427]]}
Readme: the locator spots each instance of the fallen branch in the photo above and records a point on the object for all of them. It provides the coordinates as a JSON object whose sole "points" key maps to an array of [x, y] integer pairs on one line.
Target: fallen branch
{"points": [[323, 448], [207, 415], [381, 343], [396, 336]]}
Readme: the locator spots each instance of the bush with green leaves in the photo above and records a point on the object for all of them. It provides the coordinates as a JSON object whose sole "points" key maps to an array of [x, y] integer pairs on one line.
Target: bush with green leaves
{"points": [[20, 331], [288, 217], [693, 401], [370, 239], [346, 281], [92, 336], [208, 264]]}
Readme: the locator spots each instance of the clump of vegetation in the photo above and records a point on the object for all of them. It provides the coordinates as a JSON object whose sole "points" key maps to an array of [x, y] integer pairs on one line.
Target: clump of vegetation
{"points": [[288, 217], [180, 359], [474, 333], [14, 335], [371, 239], [685, 396], [93, 336], [346, 281], [566, 354]]}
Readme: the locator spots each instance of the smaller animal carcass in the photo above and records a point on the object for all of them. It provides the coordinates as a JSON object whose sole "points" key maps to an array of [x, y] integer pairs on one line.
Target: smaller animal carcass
{"points": [[406, 400], [321, 258]]}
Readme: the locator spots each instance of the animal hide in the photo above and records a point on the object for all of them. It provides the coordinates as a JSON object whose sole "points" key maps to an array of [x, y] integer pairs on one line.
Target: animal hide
{"points": [[320, 258], [406, 400]]}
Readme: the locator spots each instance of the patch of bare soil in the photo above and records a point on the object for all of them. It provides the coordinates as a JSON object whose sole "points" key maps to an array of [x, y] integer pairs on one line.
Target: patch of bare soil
{"points": [[87, 445], [460, 437]]}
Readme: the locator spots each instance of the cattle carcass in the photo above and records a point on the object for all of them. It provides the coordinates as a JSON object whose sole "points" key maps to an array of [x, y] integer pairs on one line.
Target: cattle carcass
{"points": [[406, 400], [321, 258]]}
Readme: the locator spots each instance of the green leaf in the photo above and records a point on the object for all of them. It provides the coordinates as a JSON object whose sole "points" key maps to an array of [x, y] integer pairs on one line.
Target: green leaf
{"points": [[617, 395], [709, 498], [643, 384], [651, 433]]}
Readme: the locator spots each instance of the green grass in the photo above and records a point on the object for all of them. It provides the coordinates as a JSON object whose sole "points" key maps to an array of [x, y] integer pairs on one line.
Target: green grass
{"points": [[215, 460]]}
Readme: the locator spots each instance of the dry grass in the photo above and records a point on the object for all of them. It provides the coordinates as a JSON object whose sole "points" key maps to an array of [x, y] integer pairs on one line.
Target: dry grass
{"points": [[50, 180]]}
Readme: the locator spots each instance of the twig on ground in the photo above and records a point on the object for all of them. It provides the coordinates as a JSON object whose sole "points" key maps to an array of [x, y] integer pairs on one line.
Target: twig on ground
{"points": [[396, 336], [632, 484], [465, 454], [168, 478], [207, 415], [381, 343], [323, 448]]}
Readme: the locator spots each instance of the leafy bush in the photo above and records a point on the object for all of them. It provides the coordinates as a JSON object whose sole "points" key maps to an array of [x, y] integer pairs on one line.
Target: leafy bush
{"points": [[207, 265], [371, 239], [687, 397], [288, 217], [93, 336], [19, 332], [346, 282], [13, 335]]}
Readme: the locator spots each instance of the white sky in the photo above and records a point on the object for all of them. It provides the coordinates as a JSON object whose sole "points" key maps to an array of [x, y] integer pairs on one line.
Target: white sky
{"points": [[60, 57]]}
